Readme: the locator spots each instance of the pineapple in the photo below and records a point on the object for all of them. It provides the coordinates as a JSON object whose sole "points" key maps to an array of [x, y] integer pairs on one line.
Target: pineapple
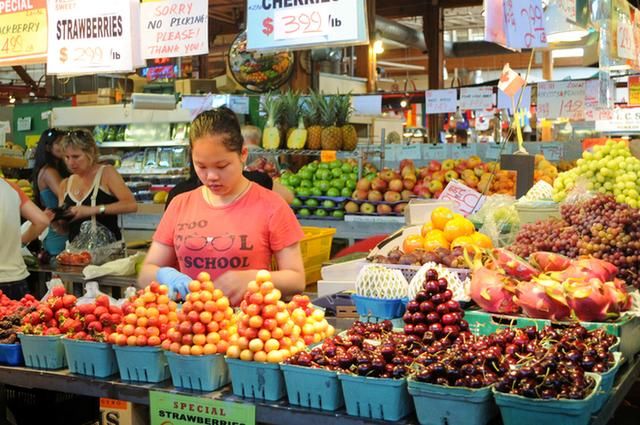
{"points": [[343, 113], [331, 135], [271, 133], [293, 117], [314, 121], [298, 137]]}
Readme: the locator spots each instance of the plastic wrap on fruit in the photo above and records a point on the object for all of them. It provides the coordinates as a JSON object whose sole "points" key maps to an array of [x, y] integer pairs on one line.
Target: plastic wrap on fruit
{"points": [[91, 292], [498, 219]]}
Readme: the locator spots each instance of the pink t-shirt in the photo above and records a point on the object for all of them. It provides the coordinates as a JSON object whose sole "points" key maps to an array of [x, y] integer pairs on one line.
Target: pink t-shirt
{"points": [[242, 235]]}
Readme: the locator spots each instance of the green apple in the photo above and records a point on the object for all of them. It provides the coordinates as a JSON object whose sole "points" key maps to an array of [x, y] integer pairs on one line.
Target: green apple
{"points": [[312, 203], [333, 192], [321, 213], [296, 202], [304, 212], [328, 204], [338, 214]]}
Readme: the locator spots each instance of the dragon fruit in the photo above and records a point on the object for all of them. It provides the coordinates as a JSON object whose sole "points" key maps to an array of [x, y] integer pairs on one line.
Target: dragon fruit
{"points": [[514, 265], [621, 300], [587, 268], [549, 261], [590, 299], [542, 298], [490, 287]]}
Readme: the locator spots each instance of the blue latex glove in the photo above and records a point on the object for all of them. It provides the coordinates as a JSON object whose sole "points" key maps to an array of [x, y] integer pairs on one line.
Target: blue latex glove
{"points": [[177, 282]]}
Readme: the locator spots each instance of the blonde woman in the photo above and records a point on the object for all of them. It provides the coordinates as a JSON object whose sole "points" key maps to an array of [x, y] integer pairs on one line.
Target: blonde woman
{"points": [[92, 189]]}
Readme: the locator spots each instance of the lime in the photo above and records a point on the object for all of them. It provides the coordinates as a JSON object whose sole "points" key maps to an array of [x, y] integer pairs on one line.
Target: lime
{"points": [[346, 192], [315, 191], [306, 183], [328, 204], [321, 213], [323, 175], [323, 165], [304, 212], [353, 176], [346, 168], [323, 185], [335, 164], [338, 183], [312, 166], [337, 172], [303, 191], [305, 174], [333, 192], [312, 203], [294, 181], [338, 214], [351, 185], [296, 202]]}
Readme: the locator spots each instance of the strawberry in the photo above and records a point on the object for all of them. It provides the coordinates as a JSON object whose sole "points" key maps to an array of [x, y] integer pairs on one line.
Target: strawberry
{"points": [[57, 291], [102, 300], [68, 300]]}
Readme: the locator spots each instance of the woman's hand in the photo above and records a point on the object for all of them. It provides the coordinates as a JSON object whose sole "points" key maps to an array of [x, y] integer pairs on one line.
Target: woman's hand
{"points": [[81, 211], [233, 284]]}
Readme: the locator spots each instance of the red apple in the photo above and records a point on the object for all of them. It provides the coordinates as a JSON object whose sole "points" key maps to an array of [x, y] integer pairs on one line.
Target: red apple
{"points": [[392, 196], [374, 196], [399, 209], [396, 185], [448, 164], [434, 165], [360, 195], [406, 194], [386, 175], [438, 175], [363, 184], [408, 184], [379, 184], [383, 209], [435, 186], [451, 175]]}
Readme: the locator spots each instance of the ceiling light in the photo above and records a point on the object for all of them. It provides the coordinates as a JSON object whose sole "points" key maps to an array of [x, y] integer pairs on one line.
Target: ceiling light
{"points": [[568, 53], [378, 48], [403, 103], [558, 29], [12, 99]]}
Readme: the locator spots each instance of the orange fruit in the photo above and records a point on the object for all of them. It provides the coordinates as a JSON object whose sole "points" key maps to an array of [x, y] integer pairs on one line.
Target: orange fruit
{"points": [[463, 241], [440, 216], [435, 234], [481, 240], [457, 227], [435, 243], [426, 228], [411, 243]]}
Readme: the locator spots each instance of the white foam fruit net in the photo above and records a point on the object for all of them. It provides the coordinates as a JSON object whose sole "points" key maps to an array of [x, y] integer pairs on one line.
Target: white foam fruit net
{"points": [[459, 287], [375, 281], [539, 192]]}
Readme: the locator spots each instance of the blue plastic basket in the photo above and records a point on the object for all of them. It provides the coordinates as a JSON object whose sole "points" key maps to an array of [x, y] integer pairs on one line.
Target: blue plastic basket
{"points": [[256, 380], [11, 354], [397, 323], [90, 358], [43, 351], [316, 388], [518, 410], [606, 384], [200, 373], [142, 364], [382, 309], [436, 405], [376, 398]]}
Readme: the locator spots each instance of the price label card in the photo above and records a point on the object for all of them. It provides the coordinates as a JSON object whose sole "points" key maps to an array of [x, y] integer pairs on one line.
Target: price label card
{"points": [[413, 151], [23, 39], [441, 101], [463, 152], [561, 99], [177, 409], [625, 40], [476, 98], [91, 36], [239, 104], [437, 152], [493, 152], [328, 156], [467, 200], [592, 109], [552, 151], [524, 23], [390, 152]]}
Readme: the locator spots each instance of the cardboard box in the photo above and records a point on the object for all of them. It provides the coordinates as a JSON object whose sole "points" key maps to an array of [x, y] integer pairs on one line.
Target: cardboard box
{"points": [[86, 99], [118, 412], [106, 100], [193, 86]]}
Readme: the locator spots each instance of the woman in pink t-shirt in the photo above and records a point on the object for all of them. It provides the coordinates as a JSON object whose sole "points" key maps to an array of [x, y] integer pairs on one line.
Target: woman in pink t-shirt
{"points": [[229, 227]]}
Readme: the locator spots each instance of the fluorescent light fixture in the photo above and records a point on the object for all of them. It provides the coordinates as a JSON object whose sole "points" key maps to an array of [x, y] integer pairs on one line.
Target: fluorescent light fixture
{"points": [[558, 29], [577, 52], [378, 48]]}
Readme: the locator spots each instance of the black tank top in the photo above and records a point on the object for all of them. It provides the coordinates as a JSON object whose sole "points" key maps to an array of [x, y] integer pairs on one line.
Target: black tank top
{"points": [[102, 198]]}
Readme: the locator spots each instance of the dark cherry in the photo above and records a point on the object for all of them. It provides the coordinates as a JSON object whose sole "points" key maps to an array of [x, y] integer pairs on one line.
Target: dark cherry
{"points": [[421, 296], [427, 307], [431, 274], [442, 284], [433, 317], [413, 306]]}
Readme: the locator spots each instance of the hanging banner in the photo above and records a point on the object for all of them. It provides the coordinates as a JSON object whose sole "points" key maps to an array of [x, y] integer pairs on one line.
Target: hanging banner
{"points": [[23, 32], [441, 101], [476, 98], [524, 24], [87, 37], [173, 28], [277, 24], [561, 99], [625, 39]]}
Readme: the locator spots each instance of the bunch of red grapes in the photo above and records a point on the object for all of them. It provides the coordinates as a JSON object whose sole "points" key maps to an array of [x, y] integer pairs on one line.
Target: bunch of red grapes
{"points": [[552, 235]]}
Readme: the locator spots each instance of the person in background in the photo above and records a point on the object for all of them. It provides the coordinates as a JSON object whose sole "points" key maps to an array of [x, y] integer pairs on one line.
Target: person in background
{"points": [[252, 136], [48, 172], [92, 189], [229, 227], [15, 204]]}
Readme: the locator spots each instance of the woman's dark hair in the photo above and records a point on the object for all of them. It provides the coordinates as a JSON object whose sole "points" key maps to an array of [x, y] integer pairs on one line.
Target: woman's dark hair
{"points": [[44, 157], [218, 122]]}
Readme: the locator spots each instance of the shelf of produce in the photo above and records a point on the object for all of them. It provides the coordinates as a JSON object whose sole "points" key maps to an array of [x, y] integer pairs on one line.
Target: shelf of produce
{"points": [[266, 412], [12, 162], [308, 152], [160, 143], [74, 274], [354, 230]]}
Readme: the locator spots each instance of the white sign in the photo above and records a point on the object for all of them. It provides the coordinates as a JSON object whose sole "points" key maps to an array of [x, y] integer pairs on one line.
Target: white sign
{"points": [[592, 109], [239, 104], [568, 7], [477, 98], [467, 200], [437, 152], [412, 151], [23, 124], [441, 101], [463, 152], [91, 36], [622, 120], [524, 24], [367, 105], [173, 28], [625, 40], [505, 102], [561, 99], [278, 24]]}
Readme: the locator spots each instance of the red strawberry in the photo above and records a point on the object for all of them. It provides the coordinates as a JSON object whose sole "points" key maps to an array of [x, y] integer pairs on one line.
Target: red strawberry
{"points": [[102, 300], [58, 291], [68, 300], [105, 319], [100, 310]]}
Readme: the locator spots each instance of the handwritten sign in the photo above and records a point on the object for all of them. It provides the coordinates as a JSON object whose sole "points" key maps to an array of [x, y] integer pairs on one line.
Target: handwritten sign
{"points": [[634, 90], [505, 102], [23, 39], [568, 8], [477, 98], [592, 109], [277, 25], [561, 99], [462, 152], [524, 24], [328, 156], [173, 28], [625, 40], [494, 22], [467, 200], [177, 409], [412, 151], [441, 101], [552, 151], [91, 37], [437, 152]]}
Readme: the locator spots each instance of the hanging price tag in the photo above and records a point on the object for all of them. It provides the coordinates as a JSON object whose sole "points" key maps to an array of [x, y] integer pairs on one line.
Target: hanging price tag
{"points": [[561, 99], [625, 40], [476, 98], [524, 23], [437, 152], [493, 152], [390, 152], [327, 156], [412, 151], [441, 101], [552, 151]]}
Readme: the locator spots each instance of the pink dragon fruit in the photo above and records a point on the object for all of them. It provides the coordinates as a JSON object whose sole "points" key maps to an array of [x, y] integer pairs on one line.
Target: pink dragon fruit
{"points": [[549, 261], [621, 301], [493, 291], [590, 299], [514, 265], [542, 298], [587, 268]]}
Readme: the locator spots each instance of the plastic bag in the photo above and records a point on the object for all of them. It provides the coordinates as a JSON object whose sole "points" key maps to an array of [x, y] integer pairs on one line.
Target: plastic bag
{"points": [[498, 219], [120, 267], [128, 293], [91, 292], [96, 239], [579, 193], [50, 284]]}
